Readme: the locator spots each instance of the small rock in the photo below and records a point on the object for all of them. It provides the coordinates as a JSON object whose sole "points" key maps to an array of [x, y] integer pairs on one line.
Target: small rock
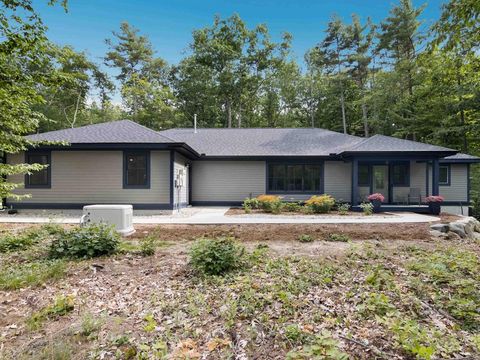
{"points": [[440, 227], [438, 234]]}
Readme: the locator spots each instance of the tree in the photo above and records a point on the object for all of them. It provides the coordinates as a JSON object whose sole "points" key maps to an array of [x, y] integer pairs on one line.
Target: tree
{"points": [[143, 78], [331, 56], [23, 50], [398, 41], [235, 62], [358, 60], [66, 105]]}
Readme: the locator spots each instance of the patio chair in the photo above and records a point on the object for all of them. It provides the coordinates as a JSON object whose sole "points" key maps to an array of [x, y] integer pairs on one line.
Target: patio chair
{"points": [[414, 195]]}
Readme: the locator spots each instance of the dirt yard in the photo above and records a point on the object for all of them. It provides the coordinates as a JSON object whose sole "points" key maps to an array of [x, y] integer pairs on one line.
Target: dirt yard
{"points": [[378, 295]]}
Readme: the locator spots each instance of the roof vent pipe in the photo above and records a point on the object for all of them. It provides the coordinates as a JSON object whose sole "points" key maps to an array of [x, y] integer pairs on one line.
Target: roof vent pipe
{"points": [[194, 123]]}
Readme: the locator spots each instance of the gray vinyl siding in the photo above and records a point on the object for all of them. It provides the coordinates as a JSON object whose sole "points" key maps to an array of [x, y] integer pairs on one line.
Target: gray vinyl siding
{"points": [[338, 180], [418, 173], [180, 194], [227, 180], [86, 177], [458, 189]]}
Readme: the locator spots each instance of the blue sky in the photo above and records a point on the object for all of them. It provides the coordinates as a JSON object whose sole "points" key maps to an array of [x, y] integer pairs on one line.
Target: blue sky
{"points": [[169, 24]]}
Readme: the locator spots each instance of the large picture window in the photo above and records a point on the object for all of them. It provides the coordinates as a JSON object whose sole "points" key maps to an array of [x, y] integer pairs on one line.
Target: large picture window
{"points": [[294, 178], [136, 170], [401, 174], [41, 178]]}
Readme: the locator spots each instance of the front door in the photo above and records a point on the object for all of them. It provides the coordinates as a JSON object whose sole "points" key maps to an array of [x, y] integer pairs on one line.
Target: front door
{"points": [[380, 180]]}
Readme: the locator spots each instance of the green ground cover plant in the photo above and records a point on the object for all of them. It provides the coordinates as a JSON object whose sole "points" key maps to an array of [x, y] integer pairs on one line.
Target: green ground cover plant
{"points": [[85, 242]]}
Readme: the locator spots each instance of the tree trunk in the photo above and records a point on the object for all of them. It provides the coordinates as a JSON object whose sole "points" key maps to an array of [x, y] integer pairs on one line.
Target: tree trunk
{"points": [[344, 117], [365, 118], [239, 117], [462, 111], [229, 113]]}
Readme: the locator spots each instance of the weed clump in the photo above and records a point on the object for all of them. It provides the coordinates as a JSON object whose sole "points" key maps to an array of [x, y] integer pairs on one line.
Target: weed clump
{"points": [[305, 238], [216, 256], [334, 237], [62, 306]]}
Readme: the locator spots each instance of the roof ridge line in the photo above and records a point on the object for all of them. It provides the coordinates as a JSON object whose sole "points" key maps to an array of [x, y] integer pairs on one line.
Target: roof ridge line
{"points": [[147, 128]]}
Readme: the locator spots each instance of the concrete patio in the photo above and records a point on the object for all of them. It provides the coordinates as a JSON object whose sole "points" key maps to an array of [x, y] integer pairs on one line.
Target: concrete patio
{"points": [[216, 215]]}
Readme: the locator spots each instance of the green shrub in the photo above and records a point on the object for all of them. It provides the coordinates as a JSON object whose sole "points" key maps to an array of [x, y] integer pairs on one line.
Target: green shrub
{"points": [[270, 203], [320, 204], [292, 207], [294, 333], [367, 208], [62, 306], [343, 208], [85, 242], [31, 274], [305, 238], [216, 256], [375, 304], [250, 203], [148, 245], [338, 237]]}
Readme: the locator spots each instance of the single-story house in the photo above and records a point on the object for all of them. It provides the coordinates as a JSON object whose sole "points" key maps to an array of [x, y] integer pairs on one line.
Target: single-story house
{"points": [[124, 162]]}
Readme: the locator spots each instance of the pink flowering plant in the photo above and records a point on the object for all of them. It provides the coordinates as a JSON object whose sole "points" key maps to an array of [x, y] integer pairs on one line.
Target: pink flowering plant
{"points": [[376, 197], [434, 199]]}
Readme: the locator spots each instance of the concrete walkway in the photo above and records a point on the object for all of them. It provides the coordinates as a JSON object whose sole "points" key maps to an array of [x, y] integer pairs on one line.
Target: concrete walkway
{"points": [[216, 215]]}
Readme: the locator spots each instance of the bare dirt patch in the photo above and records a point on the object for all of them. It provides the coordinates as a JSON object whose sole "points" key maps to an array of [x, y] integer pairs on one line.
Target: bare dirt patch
{"points": [[287, 232]]}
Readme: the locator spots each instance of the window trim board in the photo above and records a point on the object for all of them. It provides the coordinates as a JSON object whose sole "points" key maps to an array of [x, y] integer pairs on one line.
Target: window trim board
{"points": [[26, 182], [148, 167]]}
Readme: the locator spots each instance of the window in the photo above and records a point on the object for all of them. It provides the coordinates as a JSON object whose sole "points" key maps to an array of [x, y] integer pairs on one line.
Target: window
{"points": [[136, 170], [41, 178], [401, 174], [363, 175], [444, 175], [294, 178]]}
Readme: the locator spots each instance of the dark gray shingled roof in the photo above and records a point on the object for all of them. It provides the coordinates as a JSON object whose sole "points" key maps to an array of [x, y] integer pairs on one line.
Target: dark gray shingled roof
{"points": [[121, 131], [382, 143], [264, 141], [460, 157], [245, 142]]}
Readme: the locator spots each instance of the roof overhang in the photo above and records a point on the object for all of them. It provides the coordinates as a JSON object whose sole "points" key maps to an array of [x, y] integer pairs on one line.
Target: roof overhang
{"points": [[396, 154], [460, 161], [181, 147]]}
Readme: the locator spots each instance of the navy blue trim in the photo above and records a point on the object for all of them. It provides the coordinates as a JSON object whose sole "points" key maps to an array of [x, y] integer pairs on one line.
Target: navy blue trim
{"points": [[48, 154], [126, 153], [456, 203], [416, 209], [427, 178], [172, 180], [449, 175], [391, 154], [189, 169], [25, 205], [296, 162], [217, 203], [355, 191], [469, 184], [435, 170], [278, 158], [460, 161]]}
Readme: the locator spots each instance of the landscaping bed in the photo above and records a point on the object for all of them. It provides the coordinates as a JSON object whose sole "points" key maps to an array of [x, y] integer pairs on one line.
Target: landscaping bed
{"points": [[236, 211], [370, 291]]}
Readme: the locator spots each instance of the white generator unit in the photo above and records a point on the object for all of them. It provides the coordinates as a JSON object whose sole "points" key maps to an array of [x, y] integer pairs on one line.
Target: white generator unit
{"points": [[120, 216]]}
